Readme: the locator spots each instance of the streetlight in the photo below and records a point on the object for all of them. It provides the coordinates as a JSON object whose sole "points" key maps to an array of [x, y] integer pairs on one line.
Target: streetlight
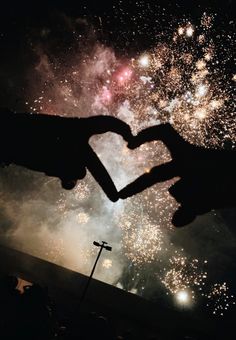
{"points": [[102, 246]]}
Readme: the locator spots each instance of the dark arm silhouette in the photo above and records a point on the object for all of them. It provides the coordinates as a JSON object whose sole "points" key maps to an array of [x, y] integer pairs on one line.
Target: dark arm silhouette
{"points": [[58, 146], [207, 176]]}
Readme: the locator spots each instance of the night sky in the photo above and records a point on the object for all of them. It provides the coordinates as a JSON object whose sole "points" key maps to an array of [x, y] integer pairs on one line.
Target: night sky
{"points": [[142, 62]]}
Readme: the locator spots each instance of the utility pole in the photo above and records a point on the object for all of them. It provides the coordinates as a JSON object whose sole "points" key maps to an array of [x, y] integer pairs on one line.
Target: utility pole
{"points": [[102, 246]]}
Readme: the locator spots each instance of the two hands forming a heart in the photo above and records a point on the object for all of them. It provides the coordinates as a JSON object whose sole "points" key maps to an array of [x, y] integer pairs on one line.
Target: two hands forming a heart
{"points": [[51, 144]]}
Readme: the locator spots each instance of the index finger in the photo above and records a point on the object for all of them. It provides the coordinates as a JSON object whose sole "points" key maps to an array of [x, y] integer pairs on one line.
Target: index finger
{"points": [[157, 174], [163, 132]]}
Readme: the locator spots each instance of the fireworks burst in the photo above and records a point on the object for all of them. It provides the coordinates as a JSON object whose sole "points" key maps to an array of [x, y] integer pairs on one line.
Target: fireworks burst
{"points": [[141, 241], [184, 275], [183, 80]]}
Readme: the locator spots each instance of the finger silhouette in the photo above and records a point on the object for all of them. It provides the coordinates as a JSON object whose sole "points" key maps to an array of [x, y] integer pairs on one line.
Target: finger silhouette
{"points": [[165, 133], [101, 175], [159, 173], [183, 216]]}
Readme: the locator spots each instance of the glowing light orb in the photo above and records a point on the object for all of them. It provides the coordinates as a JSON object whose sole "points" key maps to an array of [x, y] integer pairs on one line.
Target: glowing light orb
{"points": [[189, 31], [107, 263], [124, 76], [201, 90], [182, 297], [180, 30], [144, 60]]}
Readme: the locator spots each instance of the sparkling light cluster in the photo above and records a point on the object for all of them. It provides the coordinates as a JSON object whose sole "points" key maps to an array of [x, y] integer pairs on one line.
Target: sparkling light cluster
{"points": [[219, 299], [184, 275], [141, 239], [181, 81]]}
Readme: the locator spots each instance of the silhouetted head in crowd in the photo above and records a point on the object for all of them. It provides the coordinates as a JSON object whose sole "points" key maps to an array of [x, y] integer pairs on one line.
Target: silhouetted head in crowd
{"points": [[36, 293], [9, 283]]}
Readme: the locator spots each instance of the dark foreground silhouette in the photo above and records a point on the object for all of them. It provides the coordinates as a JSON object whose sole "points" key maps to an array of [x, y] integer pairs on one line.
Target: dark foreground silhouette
{"points": [[32, 314], [58, 146], [207, 176]]}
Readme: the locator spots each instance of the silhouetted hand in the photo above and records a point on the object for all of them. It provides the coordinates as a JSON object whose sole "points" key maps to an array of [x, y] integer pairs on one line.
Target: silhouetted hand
{"points": [[207, 176], [58, 146]]}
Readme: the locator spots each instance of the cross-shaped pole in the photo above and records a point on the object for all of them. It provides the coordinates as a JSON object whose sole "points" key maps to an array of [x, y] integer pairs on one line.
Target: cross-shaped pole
{"points": [[102, 246]]}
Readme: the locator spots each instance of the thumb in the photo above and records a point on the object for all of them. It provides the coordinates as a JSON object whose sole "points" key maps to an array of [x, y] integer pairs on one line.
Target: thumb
{"points": [[183, 216]]}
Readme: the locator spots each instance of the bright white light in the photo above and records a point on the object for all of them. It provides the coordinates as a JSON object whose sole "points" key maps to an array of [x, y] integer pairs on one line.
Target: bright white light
{"points": [[180, 30], [144, 60], [189, 31], [201, 90], [216, 104], [182, 297], [200, 113], [107, 263]]}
